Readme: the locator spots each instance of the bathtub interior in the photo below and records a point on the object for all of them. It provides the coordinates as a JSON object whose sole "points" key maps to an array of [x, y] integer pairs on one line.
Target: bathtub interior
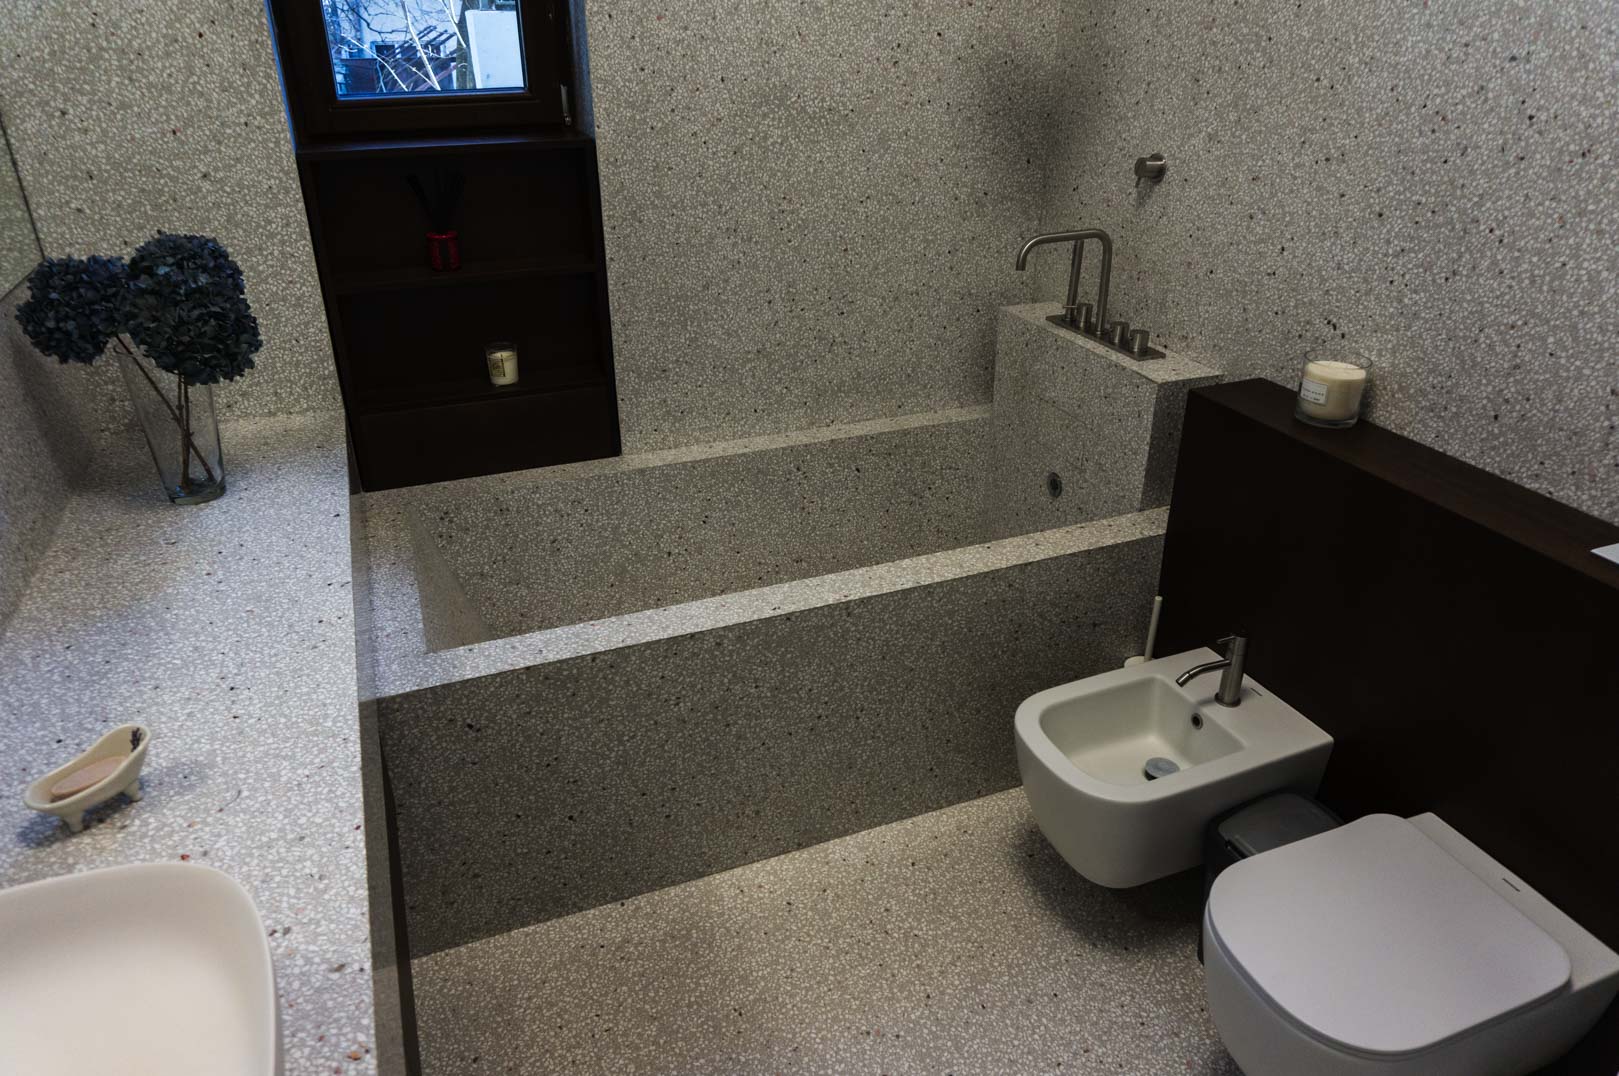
{"points": [[514, 555]]}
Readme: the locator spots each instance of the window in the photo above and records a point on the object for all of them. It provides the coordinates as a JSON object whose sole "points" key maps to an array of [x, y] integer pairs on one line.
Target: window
{"points": [[416, 47], [414, 67]]}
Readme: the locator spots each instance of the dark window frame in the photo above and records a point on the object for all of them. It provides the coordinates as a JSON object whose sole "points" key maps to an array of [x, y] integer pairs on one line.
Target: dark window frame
{"points": [[306, 69]]}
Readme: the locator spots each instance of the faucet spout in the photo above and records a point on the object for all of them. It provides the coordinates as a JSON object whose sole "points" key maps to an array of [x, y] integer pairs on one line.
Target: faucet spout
{"points": [[1230, 693], [1079, 239]]}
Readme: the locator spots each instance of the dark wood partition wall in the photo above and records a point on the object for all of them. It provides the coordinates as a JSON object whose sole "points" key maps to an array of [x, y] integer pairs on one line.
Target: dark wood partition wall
{"points": [[508, 174], [1451, 630]]}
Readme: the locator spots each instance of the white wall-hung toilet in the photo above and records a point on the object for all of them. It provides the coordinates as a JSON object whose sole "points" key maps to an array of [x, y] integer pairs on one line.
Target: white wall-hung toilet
{"points": [[1393, 947]]}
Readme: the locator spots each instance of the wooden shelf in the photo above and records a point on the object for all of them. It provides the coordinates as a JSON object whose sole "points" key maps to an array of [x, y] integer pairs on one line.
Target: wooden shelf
{"points": [[528, 141], [478, 390], [1533, 520], [441, 441], [420, 276]]}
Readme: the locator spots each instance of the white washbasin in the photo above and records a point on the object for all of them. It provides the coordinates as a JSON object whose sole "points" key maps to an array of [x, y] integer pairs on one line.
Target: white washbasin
{"points": [[1083, 748], [147, 968]]}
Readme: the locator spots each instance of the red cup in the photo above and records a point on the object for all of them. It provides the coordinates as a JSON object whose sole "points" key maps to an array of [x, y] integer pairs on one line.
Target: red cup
{"points": [[444, 251]]}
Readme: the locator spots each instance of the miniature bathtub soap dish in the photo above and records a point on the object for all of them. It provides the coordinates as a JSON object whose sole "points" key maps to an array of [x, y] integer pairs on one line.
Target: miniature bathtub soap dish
{"points": [[112, 766]]}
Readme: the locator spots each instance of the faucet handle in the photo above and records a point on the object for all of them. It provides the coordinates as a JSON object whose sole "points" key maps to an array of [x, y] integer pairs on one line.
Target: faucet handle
{"points": [[1238, 637]]}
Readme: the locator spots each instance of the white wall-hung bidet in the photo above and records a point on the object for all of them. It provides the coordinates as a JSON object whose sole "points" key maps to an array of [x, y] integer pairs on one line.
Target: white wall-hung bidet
{"points": [[1124, 770]]}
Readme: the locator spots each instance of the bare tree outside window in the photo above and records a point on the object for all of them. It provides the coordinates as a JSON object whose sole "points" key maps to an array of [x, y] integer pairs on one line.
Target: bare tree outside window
{"points": [[423, 47]]}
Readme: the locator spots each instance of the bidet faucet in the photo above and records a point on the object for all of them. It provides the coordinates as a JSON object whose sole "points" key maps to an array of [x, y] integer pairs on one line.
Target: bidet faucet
{"points": [[1071, 307], [1236, 655]]}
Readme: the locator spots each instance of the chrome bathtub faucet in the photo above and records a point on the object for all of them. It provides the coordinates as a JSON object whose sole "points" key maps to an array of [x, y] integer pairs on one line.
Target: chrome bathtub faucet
{"points": [[1075, 317], [1090, 319]]}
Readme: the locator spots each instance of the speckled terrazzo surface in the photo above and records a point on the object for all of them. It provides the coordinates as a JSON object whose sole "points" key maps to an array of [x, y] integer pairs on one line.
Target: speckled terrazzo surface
{"points": [[811, 210], [402, 662], [684, 722], [128, 118], [228, 629], [558, 552], [957, 941], [1435, 183], [420, 605], [880, 495], [48, 430], [568, 783]]}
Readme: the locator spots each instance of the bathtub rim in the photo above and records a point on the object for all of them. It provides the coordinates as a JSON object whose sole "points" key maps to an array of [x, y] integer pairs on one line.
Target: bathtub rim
{"points": [[403, 664]]}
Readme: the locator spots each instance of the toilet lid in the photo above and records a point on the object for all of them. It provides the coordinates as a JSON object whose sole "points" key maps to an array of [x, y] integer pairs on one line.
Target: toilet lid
{"points": [[1373, 938]]}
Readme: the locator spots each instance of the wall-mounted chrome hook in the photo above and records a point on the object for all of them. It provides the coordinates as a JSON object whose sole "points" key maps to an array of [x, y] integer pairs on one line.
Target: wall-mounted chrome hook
{"points": [[1150, 168]]}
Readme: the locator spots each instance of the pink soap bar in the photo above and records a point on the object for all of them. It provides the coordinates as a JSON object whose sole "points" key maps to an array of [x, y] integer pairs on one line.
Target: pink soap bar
{"points": [[85, 777]]}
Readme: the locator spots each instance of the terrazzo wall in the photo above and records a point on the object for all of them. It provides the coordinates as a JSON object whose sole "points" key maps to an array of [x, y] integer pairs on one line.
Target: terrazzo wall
{"points": [[49, 420], [1435, 184], [131, 118], [811, 211]]}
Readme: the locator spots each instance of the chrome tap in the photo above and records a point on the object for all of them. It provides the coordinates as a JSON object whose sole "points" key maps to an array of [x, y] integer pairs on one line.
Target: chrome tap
{"points": [[1236, 655], [1071, 308]]}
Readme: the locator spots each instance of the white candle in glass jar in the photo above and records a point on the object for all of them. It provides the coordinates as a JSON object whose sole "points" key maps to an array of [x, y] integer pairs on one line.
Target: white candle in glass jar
{"points": [[1331, 390], [502, 364]]}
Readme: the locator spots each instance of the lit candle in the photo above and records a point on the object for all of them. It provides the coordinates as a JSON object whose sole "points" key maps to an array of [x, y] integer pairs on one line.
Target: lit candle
{"points": [[502, 363], [1330, 392]]}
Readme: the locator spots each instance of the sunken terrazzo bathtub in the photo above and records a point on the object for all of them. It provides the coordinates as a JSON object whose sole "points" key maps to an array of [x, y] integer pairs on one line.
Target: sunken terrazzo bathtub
{"points": [[600, 679]]}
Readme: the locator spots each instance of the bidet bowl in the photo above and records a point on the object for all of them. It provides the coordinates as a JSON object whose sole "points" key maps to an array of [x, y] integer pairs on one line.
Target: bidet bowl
{"points": [[1083, 747]]}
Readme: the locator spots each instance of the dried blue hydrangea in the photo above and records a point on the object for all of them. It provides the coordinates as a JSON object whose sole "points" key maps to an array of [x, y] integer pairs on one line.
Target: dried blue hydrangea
{"points": [[75, 306], [187, 311]]}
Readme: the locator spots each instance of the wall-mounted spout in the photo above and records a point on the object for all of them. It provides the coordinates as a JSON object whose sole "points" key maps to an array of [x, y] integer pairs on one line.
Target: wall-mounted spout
{"points": [[1071, 310], [1083, 318]]}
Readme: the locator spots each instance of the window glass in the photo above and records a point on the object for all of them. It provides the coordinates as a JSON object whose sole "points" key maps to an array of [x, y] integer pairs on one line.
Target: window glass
{"points": [[382, 48]]}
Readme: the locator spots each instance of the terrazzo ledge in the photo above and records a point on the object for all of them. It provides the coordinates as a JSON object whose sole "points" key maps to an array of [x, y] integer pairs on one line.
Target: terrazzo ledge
{"points": [[227, 629]]}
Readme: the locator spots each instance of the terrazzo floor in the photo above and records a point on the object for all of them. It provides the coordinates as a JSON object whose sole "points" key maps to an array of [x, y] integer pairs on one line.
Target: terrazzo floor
{"points": [[953, 942]]}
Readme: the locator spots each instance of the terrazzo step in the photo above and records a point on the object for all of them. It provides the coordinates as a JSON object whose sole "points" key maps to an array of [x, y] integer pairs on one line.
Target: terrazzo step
{"points": [[955, 941]]}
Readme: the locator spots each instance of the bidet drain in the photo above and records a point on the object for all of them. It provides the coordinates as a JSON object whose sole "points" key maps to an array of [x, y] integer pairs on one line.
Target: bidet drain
{"points": [[1159, 767]]}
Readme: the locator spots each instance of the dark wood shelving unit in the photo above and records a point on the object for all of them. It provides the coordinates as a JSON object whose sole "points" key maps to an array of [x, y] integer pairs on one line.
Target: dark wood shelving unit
{"points": [[331, 149], [410, 340], [524, 201], [467, 275], [473, 390]]}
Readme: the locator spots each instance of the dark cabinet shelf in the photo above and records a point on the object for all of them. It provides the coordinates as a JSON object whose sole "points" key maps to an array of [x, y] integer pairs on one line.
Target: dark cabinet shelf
{"points": [[540, 141], [403, 397], [470, 274], [515, 212], [438, 442]]}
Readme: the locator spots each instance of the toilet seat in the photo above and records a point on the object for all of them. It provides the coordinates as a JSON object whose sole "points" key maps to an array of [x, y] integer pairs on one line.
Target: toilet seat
{"points": [[1377, 944]]}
